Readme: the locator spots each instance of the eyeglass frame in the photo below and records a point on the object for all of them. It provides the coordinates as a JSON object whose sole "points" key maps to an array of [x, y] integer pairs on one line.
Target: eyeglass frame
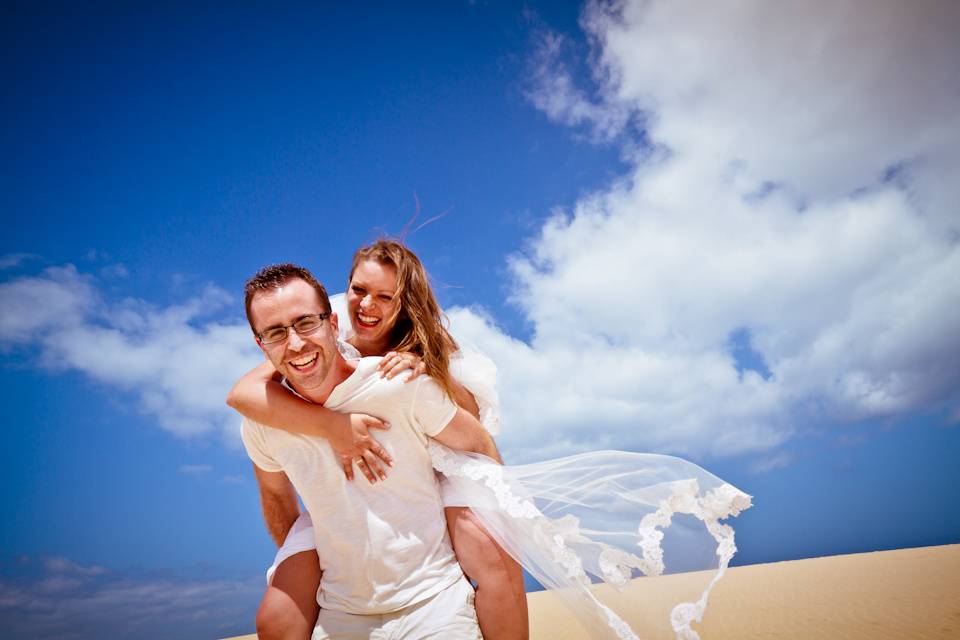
{"points": [[321, 316]]}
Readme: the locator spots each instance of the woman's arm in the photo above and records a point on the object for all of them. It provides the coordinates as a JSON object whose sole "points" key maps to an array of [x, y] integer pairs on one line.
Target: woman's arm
{"points": [[260, 397], [465, 399]]}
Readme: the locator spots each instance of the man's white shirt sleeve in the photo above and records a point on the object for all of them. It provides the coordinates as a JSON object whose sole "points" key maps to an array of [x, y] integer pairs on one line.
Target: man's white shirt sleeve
{"points": [[254, 439]]}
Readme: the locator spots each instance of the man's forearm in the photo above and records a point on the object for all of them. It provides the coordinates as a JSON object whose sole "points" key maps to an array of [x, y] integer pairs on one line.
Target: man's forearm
{"points": [[278, 499], [279, 517]]}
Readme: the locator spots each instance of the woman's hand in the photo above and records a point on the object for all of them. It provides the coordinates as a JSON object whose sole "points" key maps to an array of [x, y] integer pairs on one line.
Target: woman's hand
{"points": [[351, 440], [394, 363]]}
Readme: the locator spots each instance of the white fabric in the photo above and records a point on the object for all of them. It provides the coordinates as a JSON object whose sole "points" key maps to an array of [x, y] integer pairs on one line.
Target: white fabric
{"points": [[384, 547], [478, 374], [449, 615], [299, 539], [602, 516]]}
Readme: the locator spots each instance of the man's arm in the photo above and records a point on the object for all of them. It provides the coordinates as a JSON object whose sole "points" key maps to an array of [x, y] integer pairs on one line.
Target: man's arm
{"points": [[279, 502], [465, 433]]}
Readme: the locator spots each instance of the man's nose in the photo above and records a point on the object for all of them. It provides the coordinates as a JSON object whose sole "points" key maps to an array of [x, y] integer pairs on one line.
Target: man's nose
{"points": [[294, 341]]}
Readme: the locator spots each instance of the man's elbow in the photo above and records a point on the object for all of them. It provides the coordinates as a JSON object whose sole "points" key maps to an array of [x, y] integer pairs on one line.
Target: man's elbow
{"points": [[233, 398]]}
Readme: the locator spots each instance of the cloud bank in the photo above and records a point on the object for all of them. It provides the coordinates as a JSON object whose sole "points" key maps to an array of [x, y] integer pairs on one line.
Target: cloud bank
{"points": [[792, 198], [59, 598], [781, 255], [178, 365]]}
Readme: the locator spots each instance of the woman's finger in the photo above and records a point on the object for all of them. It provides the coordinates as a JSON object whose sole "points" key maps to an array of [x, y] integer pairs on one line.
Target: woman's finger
{"points": [[402, 364], [373, 465], [365, 470], [417, 371], [387, 360], [381, 453]]}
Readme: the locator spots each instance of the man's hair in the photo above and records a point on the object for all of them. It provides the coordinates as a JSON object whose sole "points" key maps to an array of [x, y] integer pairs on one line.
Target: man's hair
{"points": [[419, 324], [273, 277]]}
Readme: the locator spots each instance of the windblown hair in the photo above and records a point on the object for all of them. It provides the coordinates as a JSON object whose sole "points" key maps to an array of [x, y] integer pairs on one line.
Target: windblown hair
{"points": [[273, 277], [418, 324]]}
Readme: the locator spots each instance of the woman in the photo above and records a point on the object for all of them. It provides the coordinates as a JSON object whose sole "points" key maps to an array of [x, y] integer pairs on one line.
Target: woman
{"points": [[607, 515], [393, 313]]}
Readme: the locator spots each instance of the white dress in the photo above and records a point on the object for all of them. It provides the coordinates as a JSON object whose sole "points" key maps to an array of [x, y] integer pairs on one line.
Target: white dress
{"points": [[605, 516]]}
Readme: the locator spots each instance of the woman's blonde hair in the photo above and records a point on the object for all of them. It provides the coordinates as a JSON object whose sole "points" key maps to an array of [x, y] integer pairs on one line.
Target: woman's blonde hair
{"points": [[418, 324]]}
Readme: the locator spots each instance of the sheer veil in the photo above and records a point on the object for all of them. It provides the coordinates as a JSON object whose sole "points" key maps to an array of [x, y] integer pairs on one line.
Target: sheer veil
{"points": [[604, 516]]}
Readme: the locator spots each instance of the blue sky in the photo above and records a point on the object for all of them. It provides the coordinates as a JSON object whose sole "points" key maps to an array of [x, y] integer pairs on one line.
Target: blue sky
{"points": [[719, 242]]}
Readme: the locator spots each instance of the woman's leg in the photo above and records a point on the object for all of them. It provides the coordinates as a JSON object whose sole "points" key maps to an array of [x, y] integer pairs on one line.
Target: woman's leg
{"points": [[501, 601], [289, 607]]}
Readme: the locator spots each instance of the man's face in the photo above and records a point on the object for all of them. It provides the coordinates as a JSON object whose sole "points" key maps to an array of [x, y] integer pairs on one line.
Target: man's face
{"points": [[304, 360]]}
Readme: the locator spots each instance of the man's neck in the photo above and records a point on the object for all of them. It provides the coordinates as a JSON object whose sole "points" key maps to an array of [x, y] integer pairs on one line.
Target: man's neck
{"points": [[340, 370]]}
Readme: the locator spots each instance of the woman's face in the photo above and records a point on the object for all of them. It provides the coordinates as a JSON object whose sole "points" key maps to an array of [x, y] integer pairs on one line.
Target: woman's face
{"points": [[371, 303]]}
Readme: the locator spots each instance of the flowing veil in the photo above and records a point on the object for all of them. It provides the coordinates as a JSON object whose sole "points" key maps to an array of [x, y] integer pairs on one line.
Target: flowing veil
{"points": [[601, 516]]}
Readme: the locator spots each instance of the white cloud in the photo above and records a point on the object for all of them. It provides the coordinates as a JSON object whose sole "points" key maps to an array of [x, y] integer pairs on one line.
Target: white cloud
{"points": [[824, 98], [776, 461], [802, 192], [553, 90], [11, 260], [178, 365], [61, 565]]}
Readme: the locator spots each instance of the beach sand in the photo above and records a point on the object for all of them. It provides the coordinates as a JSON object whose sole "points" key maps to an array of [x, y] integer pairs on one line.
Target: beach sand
{"points": [[905, 594]]}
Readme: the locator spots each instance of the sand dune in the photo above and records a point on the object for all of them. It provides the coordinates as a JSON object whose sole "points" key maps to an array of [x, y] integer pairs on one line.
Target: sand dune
{"points": [[905, 594]]}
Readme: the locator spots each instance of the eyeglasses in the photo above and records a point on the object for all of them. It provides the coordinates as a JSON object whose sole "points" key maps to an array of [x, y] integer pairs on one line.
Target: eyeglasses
{"points": [[304, 326]]}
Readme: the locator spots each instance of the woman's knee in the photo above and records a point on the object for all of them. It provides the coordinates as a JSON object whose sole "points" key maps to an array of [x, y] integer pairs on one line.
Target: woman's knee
{"points": [[289, 607], [478, 553], [279, 618]]}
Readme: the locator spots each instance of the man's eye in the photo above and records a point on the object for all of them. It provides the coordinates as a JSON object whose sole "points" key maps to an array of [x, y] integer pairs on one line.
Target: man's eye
{"points": [[271, 335], [307, 325]]}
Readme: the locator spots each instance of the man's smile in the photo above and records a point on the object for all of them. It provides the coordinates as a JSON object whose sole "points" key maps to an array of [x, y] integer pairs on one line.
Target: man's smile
{"points": [[304, 362]]}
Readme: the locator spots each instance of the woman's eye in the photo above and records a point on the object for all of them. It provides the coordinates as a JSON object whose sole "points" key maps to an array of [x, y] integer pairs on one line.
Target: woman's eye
{"points": [[386, 298]]}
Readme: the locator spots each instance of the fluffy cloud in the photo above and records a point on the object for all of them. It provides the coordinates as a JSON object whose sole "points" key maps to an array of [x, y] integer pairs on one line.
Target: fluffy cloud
{"points": [[794, 195], [179, 366]]}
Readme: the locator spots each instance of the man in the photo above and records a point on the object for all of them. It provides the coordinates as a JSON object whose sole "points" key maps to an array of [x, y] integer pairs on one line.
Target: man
{"points": [[388, 567]]}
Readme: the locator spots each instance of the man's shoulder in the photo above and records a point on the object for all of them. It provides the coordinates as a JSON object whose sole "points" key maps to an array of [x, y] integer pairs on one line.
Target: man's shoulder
{"points": [[260, 430], [367, 385], [248, 425]]}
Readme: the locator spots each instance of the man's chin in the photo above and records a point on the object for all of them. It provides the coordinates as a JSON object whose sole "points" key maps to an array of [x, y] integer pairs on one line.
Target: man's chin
{"points": [[311, 378]]}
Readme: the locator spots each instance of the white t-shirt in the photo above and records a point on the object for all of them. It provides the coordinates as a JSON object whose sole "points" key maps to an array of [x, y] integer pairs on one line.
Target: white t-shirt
{"points": [[382, 547]]}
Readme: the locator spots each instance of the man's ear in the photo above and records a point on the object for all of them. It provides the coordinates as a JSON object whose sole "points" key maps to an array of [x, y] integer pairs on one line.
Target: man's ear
{"points": [[335, 322]]}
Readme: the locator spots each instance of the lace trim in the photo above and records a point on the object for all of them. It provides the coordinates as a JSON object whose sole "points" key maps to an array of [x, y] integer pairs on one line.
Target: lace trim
{"points": [[722, 502], [616, 564]]}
